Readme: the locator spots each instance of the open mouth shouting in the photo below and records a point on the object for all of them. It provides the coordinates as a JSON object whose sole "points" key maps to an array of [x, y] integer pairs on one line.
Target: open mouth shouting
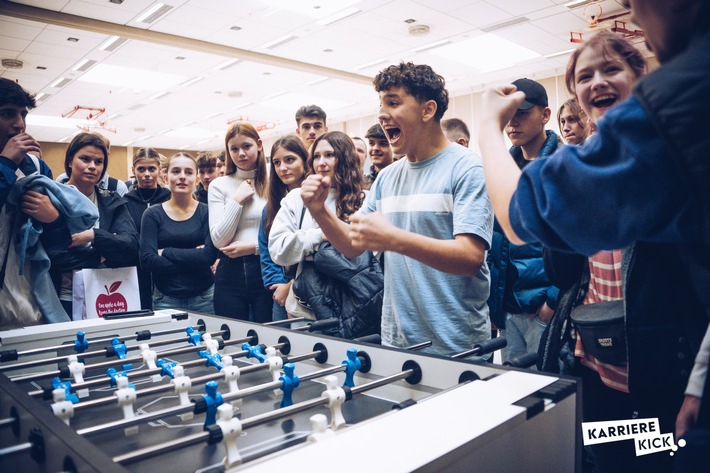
{"points": [[393, 133], [603, 101]]}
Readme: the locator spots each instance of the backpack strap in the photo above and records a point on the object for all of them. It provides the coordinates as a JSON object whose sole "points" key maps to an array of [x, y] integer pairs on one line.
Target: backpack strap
{"points": [[112, 184]]}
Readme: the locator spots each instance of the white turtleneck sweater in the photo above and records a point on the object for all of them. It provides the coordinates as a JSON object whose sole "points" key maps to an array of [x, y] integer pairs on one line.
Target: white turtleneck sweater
{"points": [[229, 221]]}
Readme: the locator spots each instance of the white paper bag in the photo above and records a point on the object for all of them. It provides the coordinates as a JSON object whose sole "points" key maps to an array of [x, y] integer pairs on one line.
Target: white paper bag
{"points": [[110, 290]]}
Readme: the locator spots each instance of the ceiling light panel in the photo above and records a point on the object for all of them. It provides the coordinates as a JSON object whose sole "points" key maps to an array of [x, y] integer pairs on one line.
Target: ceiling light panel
{"points": [[154, 12], [292, 101], [312, 8], [133, 78], [113, 43], [486, 52]]}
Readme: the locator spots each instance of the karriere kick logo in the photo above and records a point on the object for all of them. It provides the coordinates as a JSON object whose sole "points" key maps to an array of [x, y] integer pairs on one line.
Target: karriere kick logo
{"points": [[644, 432]]}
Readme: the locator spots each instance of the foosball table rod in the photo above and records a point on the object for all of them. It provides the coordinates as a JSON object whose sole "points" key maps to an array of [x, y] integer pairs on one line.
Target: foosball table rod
{"points": [[411, 373], [111, 363], [13, 355], [107, 352]]}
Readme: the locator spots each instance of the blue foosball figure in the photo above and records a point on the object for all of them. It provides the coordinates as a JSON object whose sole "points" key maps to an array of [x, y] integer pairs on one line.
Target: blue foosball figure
{"points": [[254, 351], [289, 382], [193, 336], [113, 373], [212, 360], [119, 348], [166, 367], [352, 364], [81, 343], [57, 383], [214, 400]]}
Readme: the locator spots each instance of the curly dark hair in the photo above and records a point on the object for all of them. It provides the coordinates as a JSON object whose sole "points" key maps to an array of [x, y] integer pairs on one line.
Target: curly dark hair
{"points": [[348, 179], [419, 80], [277, 189]]}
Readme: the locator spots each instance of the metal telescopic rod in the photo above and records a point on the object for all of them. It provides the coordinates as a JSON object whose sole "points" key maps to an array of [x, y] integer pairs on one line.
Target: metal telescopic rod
{"points": [[254, 421], [149, 372], [104, 364], [37, 351], [89, 354], [228, 397]]}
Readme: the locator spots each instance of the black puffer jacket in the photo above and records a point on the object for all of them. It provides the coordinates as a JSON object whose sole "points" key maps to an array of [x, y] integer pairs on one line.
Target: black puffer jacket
{"points": [[348, 289]]}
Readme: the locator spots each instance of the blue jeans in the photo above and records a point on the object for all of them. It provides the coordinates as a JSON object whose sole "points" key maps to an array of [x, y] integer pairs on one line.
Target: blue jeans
{"points": [[199, 303], [239, 291], [523, 332], [278, 312]]}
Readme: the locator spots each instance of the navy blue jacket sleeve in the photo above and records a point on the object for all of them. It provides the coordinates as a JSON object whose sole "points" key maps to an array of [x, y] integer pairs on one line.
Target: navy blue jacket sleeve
{"points": [[620, 187], [271, 273]]}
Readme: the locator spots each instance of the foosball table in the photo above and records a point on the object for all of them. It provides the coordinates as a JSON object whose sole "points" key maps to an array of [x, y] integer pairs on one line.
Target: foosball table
{"points": [[187, 392]]}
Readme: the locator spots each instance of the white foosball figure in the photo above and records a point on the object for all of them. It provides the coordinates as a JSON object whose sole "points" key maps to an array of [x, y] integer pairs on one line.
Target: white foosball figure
{"points": [[321, 430], [211, 344], [149, 358], [77, 370], [231, 374], [182, 384], [61, 407], [336, 398], [276, 363], [231, 430], [126, 397]]}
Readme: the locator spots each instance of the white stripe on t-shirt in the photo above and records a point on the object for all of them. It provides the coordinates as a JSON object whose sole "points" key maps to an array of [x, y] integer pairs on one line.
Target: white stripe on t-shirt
{"points": [[417, 203]]}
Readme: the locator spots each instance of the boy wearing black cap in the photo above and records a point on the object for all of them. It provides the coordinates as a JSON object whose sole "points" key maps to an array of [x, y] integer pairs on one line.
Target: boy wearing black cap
{"points": [[522, 299], [526, 129]]}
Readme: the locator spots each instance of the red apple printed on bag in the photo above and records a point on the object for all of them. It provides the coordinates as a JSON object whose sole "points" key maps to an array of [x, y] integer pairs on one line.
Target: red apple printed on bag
{"points": [[112, 301]]}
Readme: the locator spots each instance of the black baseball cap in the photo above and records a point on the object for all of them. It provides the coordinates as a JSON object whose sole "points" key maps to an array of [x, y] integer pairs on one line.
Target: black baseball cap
{"points": [[535, 93]]}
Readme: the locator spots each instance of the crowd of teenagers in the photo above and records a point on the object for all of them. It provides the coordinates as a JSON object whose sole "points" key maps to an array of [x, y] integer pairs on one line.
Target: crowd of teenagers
{"points": [[409, 234]]}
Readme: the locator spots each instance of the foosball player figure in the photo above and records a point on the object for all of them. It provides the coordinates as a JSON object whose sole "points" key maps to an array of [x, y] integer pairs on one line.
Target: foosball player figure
{"points": [[276, 363], [214, 359], [213, 400], [149, 358], [336, 397], [231, 428], [231, 373], [81, 343], [352, 364], [182, 385], [321, 430], [119, 348], [290, 382], [193, 336], [126, 397], [113, 373], [166, 367], [254, 351], [211, 344], [77, 370], [57, 383], [61, 407]]}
